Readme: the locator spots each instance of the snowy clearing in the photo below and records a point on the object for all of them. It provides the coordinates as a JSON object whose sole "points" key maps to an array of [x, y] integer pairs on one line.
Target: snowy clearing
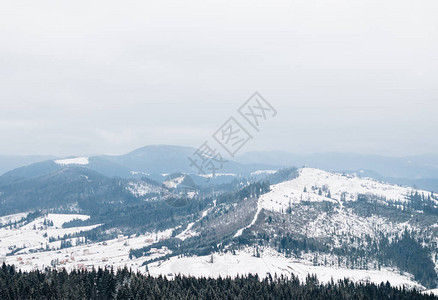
{"points": [[73, 161], [244, 262], [12, 218], [36, 234], [173, 183], [263, 172], [139, 189], [211, 175]]}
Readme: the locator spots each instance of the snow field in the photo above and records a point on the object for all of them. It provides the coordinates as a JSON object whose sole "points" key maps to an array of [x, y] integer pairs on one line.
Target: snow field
{"points": [[73, 161]]}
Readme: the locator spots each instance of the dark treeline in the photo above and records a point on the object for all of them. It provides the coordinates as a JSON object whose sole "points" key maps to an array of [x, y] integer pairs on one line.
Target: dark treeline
{"points": [[124, 284]]}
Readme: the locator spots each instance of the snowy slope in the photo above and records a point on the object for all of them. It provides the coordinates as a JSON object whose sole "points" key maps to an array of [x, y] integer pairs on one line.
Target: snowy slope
{"points": [[139, 189], [342, 187], [244, 262], [211, 175], [433, 291], [173, 183], [293, 191], [31, 247], [263, 172], [36, 234], [57, 219], [73, 161], [312, 185], [12, 218], [113, 253]]}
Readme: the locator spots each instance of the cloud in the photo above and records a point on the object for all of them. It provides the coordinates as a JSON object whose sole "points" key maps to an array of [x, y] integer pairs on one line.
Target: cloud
{"points": [[172, 71], [124, 136]]}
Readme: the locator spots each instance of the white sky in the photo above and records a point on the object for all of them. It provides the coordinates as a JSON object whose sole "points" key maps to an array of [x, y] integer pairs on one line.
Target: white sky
{"points": [[86, 77]]}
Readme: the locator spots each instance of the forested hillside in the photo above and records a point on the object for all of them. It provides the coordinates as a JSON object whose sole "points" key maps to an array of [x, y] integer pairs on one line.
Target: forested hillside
{"points": [[124, 284]]}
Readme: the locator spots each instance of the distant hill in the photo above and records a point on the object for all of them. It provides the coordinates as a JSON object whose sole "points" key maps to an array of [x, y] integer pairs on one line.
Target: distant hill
{"points": [[418, 171], [149, 160], [10, 162], [66, 188]]}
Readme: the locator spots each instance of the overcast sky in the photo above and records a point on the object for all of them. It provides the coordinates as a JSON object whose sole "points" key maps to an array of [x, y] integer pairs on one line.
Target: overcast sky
{"points": [[91, 77]]}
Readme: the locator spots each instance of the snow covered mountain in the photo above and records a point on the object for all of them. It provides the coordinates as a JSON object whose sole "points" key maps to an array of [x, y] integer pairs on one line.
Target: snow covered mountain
{"points": [[318, 185], [420, 171], [301, 221], [149, 161], [327, 223]]}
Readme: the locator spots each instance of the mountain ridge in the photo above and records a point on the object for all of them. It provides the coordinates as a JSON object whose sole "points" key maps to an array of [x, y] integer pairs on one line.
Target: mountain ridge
{"points": [[418, 171]]}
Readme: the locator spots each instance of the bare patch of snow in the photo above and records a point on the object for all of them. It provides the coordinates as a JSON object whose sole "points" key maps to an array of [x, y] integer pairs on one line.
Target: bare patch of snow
{"points": [[12, 218], [73, 161], [262, 172], [139, 173], [244, 262], [140, 189], [173, 183], [210, 175]]}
